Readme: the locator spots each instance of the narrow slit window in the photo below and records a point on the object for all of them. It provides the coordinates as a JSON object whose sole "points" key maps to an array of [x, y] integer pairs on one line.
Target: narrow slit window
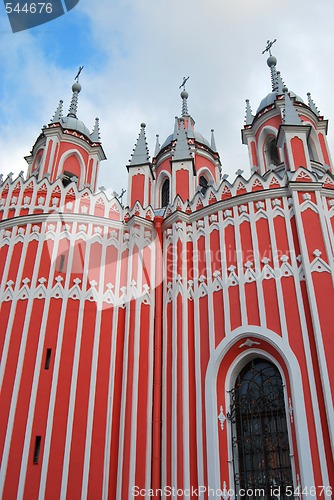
{"points": [[47, 359], [37, 448], [203, 182], [61, 263], [165, 193]]}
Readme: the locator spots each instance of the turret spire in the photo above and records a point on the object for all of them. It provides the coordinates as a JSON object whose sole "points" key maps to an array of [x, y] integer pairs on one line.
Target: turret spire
{"points": [[312, 104], [140, 153], [72, 111], [184, 96], [291, 117], [95, 135], [176, 127], [213, 142], [58, 113], [157, 145], [182, 150], [280, 83], [272, 61], [249, 116]]}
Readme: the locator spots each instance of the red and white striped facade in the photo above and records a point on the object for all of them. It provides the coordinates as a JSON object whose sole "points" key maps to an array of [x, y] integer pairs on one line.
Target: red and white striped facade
{"points": [[123, 329]]}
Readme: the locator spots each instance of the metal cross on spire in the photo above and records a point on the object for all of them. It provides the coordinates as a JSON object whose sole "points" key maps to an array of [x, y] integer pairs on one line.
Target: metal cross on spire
{"points": [[183, 84], [78, 74], [269, 45]]}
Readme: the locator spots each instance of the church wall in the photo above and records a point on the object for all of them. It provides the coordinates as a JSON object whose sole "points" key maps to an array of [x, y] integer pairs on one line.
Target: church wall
{"points": [[79, 401], [241, 271], [268, 294]]}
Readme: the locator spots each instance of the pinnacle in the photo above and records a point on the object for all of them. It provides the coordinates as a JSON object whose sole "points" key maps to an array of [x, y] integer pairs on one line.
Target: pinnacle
{"points": [[312, 104], [72, 111], [157, 145], [213, 142], [58, 113], [280, 83], [95, 135], [249, 116], [182, 150], [140, 153], [290, 117]]}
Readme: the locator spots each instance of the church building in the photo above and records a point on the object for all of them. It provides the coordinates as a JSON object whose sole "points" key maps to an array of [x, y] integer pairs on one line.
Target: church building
{"points": [[179, 346]]}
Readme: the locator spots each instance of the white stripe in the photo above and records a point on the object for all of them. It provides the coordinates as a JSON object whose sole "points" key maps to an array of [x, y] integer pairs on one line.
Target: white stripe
{"points": [[164, 458], [37, 370], [226, 306], [208, 254], [114, 329], [55, 375], [119, 492], [174, 334], [241, 284], [185, 365], [154, 249], [257, 265], [74, 380], [198, 384], [279, 292], [93, 374], [135, 373]]}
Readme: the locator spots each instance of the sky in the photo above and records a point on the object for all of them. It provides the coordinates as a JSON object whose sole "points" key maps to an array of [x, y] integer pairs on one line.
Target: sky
{"points": [[135, 54]]}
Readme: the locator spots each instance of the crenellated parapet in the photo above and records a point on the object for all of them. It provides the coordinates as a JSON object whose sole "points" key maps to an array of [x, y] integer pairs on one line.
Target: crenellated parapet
{"points": [[272, 185], [19, 198]]}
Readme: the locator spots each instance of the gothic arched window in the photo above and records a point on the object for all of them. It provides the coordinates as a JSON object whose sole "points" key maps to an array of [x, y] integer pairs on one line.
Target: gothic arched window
{"points": [[271, 151], [165, 193], [203, 182], [37, 163], [312, 150], [261, 453]]}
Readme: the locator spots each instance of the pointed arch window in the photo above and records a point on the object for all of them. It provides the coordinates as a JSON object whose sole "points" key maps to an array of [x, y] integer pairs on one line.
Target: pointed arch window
{"points": [[271, 151], [312, 150], [73, 169], [261, 452], [37, 163], [203, 182], [165, 193]]}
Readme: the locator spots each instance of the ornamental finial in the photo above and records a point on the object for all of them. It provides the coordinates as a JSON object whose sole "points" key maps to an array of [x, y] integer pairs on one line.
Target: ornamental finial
{"points": [[183, 84], [78, 74], [268, 47]]}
